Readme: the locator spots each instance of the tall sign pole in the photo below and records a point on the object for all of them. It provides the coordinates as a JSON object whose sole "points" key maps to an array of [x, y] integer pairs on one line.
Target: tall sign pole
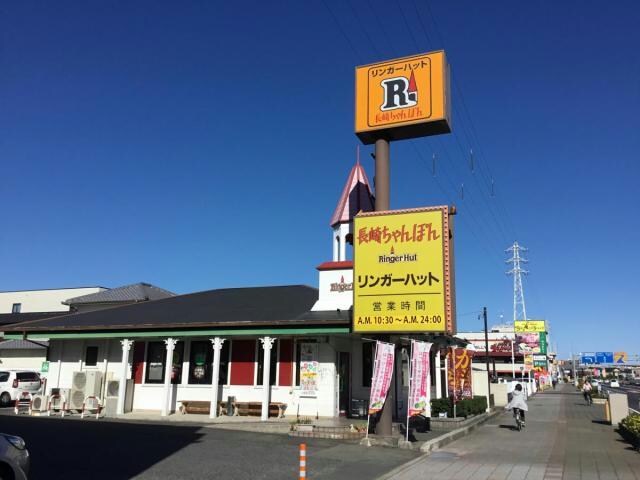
{"points": [[383, 194], [382, 175], [399, 99]]}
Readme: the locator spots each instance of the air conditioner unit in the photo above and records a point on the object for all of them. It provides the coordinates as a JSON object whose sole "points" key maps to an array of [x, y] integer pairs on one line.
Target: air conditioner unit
{"points": [[39, 403], [64, 396], [110, 406], [79, 380], [76, 400], [90, 382], [113, 390], [113, 387]]}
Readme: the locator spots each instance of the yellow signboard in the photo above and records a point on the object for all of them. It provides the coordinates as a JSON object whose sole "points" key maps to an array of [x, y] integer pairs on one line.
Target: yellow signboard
{"points": [[403, 271], [620, 357], [403, 98], [530, 326]]}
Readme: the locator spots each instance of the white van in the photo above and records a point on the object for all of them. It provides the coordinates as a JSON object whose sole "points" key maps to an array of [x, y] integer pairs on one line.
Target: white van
{"points": [[14, 382]]}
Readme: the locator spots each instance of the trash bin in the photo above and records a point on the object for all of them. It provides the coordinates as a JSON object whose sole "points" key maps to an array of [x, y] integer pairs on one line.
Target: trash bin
{"points": [[230, 402]]}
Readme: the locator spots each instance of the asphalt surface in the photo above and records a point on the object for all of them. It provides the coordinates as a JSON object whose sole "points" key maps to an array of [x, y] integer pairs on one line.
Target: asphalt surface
{"points": [[633, 394], [99, 449]]}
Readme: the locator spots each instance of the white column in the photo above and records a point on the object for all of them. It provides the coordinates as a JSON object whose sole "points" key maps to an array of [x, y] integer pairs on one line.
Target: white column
{"points": [[171, 345], [124, 369], [334, 241], [267, 342], [215, 375], [343, 230], [438, 375], [446, 377], [513, 361]]}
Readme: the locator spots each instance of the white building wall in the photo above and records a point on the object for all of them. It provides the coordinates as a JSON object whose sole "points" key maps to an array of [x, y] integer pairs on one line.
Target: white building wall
{"points": [[42, 300], [27, 359], [335, 290], [67, 357]]}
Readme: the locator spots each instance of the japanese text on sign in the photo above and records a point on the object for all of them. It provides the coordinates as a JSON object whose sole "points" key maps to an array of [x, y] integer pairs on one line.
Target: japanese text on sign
{"points": [[401, 278]]}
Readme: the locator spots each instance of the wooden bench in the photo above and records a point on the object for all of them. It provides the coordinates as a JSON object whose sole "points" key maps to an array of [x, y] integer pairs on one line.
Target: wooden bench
{"points": [[201, 407], [276, 409]]}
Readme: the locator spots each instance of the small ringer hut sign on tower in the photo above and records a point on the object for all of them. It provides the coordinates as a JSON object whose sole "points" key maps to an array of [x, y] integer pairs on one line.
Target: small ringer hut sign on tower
{"points": [[403, 98]]}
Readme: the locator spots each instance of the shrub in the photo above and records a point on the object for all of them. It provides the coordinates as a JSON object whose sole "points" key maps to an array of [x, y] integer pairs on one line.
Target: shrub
{"points": [[464, 408], [630, 429], [441, 405]]}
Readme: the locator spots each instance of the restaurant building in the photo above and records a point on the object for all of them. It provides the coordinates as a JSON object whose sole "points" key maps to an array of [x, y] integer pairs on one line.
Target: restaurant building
{"points": [[288, 344]]}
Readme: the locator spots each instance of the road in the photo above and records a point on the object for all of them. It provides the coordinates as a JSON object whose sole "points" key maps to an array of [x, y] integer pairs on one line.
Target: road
{"points": [[97, 449], [564, 440], [632, 391]]}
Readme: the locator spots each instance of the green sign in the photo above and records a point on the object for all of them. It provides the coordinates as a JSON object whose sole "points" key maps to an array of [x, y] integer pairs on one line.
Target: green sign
{"points": [[45, 367], [543, 343]]}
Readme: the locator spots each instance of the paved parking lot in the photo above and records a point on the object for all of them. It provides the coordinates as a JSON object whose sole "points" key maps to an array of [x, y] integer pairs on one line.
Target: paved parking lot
{"points": [[97, 449]]}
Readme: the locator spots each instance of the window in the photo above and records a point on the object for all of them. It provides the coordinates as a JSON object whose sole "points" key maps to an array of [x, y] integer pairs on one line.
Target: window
{"points": [[223, 378], [306, 351], [91, 356], [156, 353], [273, 361], [16, 307], [200, 363], [156, 358], [367, 363], [4, 377], [28, 377]]}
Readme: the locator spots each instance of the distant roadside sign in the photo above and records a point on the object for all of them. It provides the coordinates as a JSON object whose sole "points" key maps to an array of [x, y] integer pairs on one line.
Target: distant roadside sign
{"points": [[44, 368], [588, 358], [604, 357], [530, 326], [620, 357]]}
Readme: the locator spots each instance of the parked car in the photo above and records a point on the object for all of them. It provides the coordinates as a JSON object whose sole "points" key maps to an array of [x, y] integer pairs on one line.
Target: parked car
{"points": [[614, 384], [14, 382], [14, 458]]}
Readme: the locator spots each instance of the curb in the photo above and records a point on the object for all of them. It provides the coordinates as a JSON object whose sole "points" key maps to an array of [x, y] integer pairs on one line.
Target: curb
{"points": [[441, 441]]}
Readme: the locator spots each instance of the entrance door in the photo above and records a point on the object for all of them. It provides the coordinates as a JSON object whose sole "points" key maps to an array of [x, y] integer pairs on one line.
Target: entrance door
{"points": [[344, 387]]}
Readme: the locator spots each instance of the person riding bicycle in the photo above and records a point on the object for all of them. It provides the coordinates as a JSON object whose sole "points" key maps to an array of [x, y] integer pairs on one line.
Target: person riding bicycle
{"points": [[518, 403], [586, 391]]}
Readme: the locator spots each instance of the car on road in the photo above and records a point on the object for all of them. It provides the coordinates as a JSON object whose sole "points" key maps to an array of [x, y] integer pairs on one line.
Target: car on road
{"points": [[14, 382], [614, 384], [14, 458]]}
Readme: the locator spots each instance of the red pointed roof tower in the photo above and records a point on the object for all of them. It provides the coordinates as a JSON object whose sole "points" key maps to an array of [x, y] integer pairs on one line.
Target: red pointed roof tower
{"points": [[356, 196], [336, 276]]}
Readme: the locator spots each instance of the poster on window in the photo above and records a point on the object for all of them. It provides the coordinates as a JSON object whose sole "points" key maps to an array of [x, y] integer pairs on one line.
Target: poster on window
{"points": [[420, 378], [459, 373], [382, 372], [309, 366]]}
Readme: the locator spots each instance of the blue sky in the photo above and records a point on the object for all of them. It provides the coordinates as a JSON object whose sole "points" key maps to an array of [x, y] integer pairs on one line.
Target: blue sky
{"points": [[200, 145]]}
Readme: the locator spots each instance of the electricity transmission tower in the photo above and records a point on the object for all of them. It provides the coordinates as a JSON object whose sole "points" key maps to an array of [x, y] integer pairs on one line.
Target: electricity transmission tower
{"points": [[516, 271]]}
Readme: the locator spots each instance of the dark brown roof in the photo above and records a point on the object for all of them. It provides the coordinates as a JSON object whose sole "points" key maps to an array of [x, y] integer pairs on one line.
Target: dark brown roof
{"points": [[11, 318], [138, 292], [231, 307]]}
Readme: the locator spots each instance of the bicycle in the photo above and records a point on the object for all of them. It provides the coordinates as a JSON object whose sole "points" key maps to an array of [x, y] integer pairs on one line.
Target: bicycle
{"points": [[517, 413]]}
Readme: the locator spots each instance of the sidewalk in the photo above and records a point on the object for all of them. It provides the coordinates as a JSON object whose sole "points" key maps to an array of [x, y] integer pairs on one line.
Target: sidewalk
{"points": [[563, 440]]}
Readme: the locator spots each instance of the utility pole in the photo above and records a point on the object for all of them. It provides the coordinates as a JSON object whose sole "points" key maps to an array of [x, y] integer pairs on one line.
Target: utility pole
{"points": [[486, 355]]}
